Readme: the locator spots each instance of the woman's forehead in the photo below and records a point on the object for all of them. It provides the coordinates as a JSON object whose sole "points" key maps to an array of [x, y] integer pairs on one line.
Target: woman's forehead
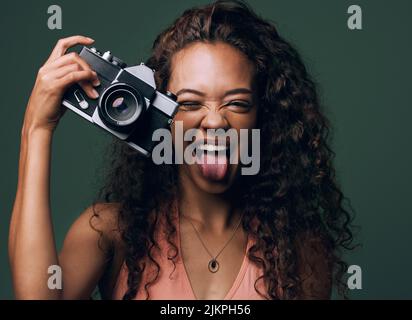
{"points": [[205, 67]]}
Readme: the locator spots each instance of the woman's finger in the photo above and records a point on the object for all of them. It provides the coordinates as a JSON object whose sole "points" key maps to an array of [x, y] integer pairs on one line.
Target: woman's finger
{"points": [[63, 44], [69, 58], [88, 88], [83, 77], [72, 58], [63, 71]]}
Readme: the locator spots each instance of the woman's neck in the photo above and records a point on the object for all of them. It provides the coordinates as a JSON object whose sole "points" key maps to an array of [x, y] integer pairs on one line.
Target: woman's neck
{"points": [[215, 213]]}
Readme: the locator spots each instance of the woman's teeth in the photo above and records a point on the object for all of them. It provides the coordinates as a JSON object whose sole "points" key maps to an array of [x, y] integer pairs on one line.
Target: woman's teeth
{"points": [[212, 147]]}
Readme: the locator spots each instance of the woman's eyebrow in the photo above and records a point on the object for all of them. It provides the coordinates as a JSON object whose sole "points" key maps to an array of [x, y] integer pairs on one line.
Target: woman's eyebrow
{"points": [[237, 91], [227, 93], [184, 90]]}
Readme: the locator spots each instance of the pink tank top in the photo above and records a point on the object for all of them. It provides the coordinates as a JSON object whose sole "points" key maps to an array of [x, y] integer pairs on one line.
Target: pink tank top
{"points": [[173, 283]]}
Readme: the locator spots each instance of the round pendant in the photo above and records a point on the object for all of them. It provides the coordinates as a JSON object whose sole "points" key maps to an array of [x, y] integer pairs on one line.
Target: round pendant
{"points": [[213, 265]]}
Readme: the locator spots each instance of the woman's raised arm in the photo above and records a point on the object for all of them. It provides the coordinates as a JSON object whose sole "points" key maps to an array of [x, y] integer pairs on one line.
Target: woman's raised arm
{"points": [[31, 240]]}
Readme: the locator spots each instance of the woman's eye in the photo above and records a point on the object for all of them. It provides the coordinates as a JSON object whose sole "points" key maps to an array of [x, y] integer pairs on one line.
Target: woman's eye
{"points": [[240, 106], [189, 105]]}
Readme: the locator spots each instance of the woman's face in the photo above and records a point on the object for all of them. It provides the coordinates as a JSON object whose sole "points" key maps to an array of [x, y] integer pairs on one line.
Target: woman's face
{"points": [[213, 84]]}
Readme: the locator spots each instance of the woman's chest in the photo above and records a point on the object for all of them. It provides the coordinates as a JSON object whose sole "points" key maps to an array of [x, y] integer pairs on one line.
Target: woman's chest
{"points": [[214, 271]]}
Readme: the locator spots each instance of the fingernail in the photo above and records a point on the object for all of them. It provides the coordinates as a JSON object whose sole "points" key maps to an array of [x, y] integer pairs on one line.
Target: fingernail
{"points": [[96, 82], [90, 39], [95, 93]]}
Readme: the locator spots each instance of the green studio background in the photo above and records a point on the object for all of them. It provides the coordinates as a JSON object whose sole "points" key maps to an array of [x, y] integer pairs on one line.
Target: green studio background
{"points": [[364, 79]]}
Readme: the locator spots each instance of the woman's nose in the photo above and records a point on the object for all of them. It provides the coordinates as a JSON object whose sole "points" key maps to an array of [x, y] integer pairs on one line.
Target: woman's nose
{"points": [[214, 120]]}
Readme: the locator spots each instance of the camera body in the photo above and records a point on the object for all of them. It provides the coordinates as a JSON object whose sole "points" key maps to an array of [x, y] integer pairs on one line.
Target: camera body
{"points": [[129, 106]]}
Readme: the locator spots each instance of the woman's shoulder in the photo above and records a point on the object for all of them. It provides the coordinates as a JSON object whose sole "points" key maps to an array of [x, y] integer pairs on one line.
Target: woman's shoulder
{"points": [[92, 242], [99, 221], [103, 218]]}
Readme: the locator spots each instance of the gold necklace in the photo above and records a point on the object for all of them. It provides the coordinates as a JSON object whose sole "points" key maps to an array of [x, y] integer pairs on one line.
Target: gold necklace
{"points": [[213, 264]]}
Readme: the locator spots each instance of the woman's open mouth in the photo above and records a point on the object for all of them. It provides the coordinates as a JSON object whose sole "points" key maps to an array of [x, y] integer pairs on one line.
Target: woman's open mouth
{"points": [[213, 159]]}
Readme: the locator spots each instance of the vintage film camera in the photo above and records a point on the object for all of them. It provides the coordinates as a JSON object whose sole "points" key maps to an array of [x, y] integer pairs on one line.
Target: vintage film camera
{"points": [[129, 106]]}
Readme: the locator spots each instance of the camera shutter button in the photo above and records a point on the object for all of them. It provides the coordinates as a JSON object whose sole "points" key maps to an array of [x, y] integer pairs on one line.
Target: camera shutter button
{"points": [[107, 56]]}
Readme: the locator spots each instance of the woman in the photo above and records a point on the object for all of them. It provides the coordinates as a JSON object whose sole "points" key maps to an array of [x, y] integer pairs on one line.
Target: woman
{"points": [[193, 231]]}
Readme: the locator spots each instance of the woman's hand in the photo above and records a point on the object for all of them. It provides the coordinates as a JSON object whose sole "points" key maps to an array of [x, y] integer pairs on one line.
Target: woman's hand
{"points": [[60, 71]]}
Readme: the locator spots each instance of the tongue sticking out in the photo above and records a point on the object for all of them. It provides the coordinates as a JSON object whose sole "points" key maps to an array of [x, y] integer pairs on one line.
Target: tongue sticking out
{"points": [[213, 166]]}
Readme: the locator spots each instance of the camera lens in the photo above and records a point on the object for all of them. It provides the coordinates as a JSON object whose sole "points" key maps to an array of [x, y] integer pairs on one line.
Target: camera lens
{"points": [[121, 105]]}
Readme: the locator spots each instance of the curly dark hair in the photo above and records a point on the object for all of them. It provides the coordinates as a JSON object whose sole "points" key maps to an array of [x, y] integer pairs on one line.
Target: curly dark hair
{"points": [[295, 193]]}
